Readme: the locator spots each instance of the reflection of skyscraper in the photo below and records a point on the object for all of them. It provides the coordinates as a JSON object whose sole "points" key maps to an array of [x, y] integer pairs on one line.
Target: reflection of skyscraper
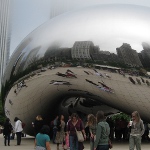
{"points": [[4, 35], [145, 55], [128, 55], [82, 50]]}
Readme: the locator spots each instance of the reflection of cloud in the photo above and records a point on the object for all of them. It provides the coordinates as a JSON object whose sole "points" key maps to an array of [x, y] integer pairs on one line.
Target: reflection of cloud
{"points": [[106, 25]]}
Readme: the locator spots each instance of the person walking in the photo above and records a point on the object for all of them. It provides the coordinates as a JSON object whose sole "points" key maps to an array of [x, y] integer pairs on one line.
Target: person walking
{"points": [[102, 132], [75, 124], [42, 139], [137, 130], [92, 129], [7, 131], [18, 130]]}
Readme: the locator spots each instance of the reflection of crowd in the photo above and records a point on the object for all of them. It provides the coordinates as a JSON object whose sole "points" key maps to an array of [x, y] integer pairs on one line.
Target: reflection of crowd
{"points": [[102, 86], [68, 74], [20, 85]]}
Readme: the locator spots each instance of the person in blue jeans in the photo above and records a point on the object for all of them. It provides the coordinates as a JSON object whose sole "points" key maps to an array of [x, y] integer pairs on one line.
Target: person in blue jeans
{"points": [[75, 122], [102, 132]]}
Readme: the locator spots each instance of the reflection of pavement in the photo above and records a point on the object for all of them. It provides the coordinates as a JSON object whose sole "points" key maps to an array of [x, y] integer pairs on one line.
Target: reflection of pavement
{"points": [[28, 144]]}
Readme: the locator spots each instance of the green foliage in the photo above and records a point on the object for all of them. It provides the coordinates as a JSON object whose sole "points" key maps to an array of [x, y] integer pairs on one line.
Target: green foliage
{"points": [[121, 116]]}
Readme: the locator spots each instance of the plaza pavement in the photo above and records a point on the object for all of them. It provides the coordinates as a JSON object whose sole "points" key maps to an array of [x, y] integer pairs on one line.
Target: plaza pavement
{"points": [[28, 144]]}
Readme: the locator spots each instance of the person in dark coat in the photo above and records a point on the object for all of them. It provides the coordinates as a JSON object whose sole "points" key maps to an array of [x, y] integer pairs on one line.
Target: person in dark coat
{"points": [[37, 125], [7, 131]]}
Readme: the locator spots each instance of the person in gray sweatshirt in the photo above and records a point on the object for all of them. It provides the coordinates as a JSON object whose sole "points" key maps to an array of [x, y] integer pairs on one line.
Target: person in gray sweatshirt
{"points": [[102, 132], [137, 130]]}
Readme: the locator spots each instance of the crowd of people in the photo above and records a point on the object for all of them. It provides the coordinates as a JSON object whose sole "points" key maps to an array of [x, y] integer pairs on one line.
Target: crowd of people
{"points": [[65, 132]]}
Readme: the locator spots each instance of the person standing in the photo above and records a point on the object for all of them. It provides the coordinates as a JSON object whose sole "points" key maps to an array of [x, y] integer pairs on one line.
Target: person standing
{"points": [[137, 130], [37, 125], [102, 132], [60, 131], [18, 129], [55, 128], [92, 129], [42, 140], [75, 124], [7, 131]]}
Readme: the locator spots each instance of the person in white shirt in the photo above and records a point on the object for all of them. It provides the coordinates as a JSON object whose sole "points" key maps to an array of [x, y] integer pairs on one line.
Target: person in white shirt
{"points": [[18, 129]]}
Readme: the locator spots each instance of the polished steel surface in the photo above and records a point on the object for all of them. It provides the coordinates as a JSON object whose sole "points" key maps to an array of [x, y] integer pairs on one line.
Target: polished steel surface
{"points": [[48, 72]]}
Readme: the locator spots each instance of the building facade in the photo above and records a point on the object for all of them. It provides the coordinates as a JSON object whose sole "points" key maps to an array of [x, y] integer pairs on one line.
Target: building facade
{"points": [[4, 35], [145, 55], [128, 55], [82, 50]]}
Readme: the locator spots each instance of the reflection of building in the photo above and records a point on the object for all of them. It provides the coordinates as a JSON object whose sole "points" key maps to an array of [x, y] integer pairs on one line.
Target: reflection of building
{"points": [[82, 50], [128, 55], [55, 53], [4, 35], [17, 54], [145, 55]]}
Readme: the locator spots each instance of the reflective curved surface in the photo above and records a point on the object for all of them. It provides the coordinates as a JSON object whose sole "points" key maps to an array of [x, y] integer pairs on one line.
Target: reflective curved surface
{"points": [[61, 67]]}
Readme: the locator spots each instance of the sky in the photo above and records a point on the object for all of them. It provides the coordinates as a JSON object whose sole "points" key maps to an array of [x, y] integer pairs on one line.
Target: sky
{"points": [[27, 15]]}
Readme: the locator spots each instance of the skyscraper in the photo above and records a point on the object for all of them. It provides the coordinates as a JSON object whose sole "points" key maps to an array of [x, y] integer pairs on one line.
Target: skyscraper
{"points": [[4, 35]]}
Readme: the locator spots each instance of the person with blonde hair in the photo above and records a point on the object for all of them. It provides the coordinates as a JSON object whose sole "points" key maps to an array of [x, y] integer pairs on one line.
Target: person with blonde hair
{"points": [[92, 129], [37, 125], [137, 130]]}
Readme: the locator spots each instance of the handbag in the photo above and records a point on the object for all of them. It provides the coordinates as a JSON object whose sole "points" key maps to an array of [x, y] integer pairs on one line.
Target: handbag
{"points": [[79, 135]]}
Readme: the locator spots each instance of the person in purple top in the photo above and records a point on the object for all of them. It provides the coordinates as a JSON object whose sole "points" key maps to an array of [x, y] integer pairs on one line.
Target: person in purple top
{"points": [[75, 122]]}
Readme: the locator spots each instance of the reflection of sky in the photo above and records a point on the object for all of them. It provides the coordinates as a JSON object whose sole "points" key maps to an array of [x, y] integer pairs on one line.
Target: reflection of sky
{"points": [[27, 16], [108, 26]]}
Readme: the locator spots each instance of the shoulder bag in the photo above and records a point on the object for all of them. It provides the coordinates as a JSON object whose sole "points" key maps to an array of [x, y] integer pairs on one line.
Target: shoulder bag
{"points": [[79, 135]]}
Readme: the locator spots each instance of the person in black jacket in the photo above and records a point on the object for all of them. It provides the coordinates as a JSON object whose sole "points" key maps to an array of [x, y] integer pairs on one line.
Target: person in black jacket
{"points": [[7, 131], [37, 125]]}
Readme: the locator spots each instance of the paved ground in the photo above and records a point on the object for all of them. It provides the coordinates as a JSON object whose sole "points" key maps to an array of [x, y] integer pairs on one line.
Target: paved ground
{"points": [[28, 144]]}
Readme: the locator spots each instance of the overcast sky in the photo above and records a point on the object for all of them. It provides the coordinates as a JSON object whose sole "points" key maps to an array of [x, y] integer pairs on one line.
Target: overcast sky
{"points": [[29, 14]]}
